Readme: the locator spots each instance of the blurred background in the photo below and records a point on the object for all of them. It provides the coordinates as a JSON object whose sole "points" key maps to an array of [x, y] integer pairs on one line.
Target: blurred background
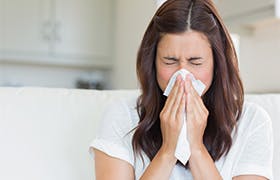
{"points": [[92, 44]]}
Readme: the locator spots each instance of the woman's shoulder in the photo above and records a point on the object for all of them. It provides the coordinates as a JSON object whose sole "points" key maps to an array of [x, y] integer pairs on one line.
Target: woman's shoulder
{"points": [[253, 109], [253, 116], [114, 133], [252, 144], [122, 109]]}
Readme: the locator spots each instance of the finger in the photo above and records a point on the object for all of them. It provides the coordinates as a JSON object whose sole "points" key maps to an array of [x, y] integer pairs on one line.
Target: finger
{"points": [[193, 91], [197, 109], [198, 100], [190, 103], [188, 83], [194, 117], [171, 98], [197, 106], [177, 101], [181, 109], [187, 90], [189, 86], [189, 110]]}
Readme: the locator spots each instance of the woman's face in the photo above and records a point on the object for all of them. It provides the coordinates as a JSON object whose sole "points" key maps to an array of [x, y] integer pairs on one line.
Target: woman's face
{"points": [[189, 50]]}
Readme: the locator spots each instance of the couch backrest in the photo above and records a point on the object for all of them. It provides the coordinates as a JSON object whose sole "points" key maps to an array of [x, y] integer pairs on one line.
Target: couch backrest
{"points": [[45, 133]]}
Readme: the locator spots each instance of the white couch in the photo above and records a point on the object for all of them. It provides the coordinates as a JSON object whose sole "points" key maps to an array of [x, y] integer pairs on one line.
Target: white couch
{"points": [[45, 132]]}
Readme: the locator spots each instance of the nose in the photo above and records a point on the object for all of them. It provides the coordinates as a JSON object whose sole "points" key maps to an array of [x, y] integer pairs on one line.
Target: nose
{"points": [[183, 65]]}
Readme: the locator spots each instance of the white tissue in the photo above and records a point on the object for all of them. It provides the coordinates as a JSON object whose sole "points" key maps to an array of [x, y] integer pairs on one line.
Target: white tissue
{"points": [[197, 84], [182, 152]]}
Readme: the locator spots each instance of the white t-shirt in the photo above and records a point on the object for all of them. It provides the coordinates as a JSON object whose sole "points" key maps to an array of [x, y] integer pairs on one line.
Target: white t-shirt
{"points": [[250, 154]]}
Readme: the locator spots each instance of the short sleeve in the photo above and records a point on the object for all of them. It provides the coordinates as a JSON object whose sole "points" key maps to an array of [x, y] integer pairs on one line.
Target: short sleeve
{"points": [[257, 154], [114, 132]]}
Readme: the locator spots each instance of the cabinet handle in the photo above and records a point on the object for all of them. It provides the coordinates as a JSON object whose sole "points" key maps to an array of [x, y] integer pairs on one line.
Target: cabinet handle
{"points": [[46, 31], [51, 31], [56, 31]]}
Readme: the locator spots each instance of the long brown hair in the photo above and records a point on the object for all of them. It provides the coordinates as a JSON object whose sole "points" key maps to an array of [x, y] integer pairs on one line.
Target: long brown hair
{"points": [[224, 98]]}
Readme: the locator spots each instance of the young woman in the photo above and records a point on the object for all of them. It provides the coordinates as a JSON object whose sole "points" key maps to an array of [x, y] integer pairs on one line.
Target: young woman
{"points": [[228, 138]]}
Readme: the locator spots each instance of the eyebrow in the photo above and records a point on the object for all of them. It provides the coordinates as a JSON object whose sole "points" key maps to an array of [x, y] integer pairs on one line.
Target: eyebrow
{"points": [[176, 59]]}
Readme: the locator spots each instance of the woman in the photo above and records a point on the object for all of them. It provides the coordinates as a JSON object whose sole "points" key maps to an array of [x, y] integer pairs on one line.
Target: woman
{"points": [[228, 138]]}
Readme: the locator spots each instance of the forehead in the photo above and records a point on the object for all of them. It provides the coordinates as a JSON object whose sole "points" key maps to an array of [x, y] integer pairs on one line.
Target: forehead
{"points": [[190, 41]]}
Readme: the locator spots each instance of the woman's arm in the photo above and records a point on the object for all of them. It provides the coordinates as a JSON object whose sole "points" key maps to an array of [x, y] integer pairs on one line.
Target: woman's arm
{"points": [[201, 164], [160, 167], [108, 168], [249, 177], [171, 121]]}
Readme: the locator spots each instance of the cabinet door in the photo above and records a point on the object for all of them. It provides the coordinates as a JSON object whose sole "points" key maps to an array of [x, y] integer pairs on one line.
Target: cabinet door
{"points": [[25, 26], [84, 28]]}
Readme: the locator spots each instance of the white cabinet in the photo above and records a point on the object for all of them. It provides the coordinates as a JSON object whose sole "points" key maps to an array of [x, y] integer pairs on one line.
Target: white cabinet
{"points": [[59, 32], [83, 28], [23, 26]]}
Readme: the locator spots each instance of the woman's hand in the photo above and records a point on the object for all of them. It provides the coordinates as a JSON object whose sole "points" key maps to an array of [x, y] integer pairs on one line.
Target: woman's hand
{"points": [[197, 115], [201, 164], [171, 117], [171, 121]]}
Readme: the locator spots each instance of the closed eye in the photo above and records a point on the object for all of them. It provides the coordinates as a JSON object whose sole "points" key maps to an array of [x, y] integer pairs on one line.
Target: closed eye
{"points": [[195, 60], [170, 60]]}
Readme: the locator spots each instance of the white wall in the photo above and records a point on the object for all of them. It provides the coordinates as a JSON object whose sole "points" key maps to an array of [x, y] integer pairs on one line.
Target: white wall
{"points": [[132, 18], [260, 58]]}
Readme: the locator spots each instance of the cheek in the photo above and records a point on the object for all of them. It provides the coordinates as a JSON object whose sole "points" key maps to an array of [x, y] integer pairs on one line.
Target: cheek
{"points": [[206, 77], [163, 76]]}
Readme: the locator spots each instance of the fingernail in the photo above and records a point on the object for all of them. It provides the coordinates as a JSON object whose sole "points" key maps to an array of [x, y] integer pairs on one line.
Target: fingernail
{"points": [[188, 77], [180, 77], [188, 84]]}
